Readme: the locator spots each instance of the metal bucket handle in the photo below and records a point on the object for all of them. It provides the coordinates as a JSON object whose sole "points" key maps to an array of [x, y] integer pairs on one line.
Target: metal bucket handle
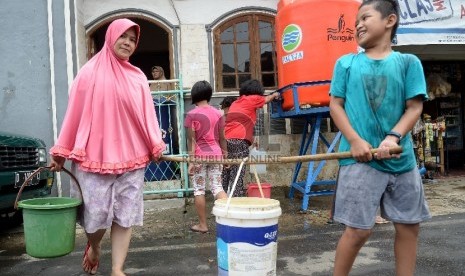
{"points": [[38, 171]]}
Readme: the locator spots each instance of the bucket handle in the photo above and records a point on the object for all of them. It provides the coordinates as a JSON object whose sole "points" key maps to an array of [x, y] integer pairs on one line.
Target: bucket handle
{"points": [[231, 192], [258, 181], [254, 168], [37, 171]]}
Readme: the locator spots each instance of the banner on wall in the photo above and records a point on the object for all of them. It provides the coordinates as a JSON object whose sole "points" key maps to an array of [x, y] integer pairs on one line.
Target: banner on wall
{"points": [[431, 22]]}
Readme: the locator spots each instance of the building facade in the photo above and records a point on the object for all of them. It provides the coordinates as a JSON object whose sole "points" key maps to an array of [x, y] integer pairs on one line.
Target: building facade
{"points": [[224, 42]]}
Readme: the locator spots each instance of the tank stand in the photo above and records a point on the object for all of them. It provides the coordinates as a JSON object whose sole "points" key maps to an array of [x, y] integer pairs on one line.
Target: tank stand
{"points": [[309, 145], [311, 141]]}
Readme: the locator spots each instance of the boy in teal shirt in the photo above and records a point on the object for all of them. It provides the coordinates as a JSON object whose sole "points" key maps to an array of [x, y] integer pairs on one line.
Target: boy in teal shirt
{"points": [[376, 98]]}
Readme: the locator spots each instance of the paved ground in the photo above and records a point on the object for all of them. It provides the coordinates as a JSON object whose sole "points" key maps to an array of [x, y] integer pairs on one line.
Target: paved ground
{"points": [[165, 246]]}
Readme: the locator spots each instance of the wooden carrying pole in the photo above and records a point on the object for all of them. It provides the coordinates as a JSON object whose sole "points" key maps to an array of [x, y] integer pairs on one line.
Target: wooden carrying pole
{"points": [[272, 158]]}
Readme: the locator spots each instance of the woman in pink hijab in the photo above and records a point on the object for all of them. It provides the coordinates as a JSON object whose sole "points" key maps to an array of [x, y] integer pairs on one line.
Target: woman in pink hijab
{"points": [[110, 132]]}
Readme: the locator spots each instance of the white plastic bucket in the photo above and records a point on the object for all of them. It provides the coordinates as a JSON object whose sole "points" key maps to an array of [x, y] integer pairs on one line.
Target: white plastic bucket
{"points": [[246, 236]]}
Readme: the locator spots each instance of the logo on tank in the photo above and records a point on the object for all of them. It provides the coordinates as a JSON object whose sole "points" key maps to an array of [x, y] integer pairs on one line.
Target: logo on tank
{"points": [[340, 33], [290, 41], [292, 37]]}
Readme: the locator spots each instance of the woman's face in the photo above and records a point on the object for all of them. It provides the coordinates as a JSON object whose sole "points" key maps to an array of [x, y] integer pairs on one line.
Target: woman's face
{"points": [[126, 44], [156, 74]]}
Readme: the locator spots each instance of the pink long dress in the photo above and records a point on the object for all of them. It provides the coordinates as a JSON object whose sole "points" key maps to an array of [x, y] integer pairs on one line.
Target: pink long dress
{"points": [[110, 126]]}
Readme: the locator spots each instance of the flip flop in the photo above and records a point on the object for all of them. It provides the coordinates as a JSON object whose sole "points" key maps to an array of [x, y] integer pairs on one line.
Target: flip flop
{"points": [[93, 266], [381, 220], [197, 230]]}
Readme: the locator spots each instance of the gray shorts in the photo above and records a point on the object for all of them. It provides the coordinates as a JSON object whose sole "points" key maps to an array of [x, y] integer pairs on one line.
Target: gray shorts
{"points": [[361, 189]]}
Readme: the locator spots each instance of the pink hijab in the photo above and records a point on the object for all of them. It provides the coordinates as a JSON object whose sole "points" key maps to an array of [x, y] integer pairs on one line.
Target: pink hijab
{"points": [[110, 126]]}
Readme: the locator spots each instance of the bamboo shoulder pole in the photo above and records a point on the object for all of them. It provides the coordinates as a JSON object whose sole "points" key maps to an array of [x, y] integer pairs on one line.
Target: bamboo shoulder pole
{"points": [[270, 159]]}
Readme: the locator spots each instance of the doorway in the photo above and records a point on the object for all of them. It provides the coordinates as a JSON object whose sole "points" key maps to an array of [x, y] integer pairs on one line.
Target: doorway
{"points": [[155, 46]]}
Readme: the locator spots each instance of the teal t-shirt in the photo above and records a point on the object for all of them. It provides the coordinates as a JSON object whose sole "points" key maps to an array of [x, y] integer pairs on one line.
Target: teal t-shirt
{"points": [[375, 94]]}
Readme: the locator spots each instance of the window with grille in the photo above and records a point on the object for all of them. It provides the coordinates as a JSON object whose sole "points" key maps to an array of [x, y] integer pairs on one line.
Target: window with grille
{"points": [[245, 49]]}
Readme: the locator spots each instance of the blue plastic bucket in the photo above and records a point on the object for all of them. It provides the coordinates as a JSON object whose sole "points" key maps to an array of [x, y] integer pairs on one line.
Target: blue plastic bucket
{"points": [[246, 235]]}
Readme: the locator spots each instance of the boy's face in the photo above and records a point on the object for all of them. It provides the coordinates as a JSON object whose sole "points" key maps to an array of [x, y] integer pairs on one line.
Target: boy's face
{"points": [[371, 27]]}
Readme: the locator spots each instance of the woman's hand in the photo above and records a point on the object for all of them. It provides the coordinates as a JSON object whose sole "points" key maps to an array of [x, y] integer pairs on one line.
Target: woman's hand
{"points": [[156, 158], [57, 163]]}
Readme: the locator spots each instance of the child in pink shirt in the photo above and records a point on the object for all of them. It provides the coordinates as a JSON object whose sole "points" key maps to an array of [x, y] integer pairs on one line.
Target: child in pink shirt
{"points": [[205, 139]]}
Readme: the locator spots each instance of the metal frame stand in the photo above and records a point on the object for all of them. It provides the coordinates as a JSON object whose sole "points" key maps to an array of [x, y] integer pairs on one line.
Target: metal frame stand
{"points": [[309, 144], [311, 140]]}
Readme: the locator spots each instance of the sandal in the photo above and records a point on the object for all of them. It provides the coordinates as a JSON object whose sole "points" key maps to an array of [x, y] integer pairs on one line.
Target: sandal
{"points": [[381, 220], [88, 263]]}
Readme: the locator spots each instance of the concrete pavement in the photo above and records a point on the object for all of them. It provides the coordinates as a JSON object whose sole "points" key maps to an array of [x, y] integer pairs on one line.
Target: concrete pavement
{"points": [[307, 250]]}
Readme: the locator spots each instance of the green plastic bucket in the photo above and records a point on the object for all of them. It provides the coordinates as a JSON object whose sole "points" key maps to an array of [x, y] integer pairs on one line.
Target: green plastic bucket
{"points": [[49, 225]]}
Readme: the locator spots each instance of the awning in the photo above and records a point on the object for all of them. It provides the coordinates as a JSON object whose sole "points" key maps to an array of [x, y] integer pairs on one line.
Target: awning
{"points": [[431, 22]]}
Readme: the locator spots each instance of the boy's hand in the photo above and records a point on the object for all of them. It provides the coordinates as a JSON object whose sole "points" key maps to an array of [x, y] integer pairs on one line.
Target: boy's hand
{"points": [[383, 148], [361, 150]]}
